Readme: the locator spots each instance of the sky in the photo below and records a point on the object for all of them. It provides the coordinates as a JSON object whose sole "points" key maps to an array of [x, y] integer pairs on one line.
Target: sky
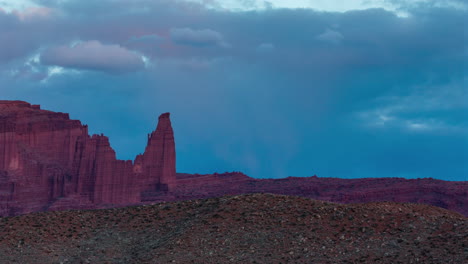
{"points": [[348, 89]]}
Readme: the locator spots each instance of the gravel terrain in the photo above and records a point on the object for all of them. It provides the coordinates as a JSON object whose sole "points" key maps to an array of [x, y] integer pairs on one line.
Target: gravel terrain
{"points": [[254, 228]]}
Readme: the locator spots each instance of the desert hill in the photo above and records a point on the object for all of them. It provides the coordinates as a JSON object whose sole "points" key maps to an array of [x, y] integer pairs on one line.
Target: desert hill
{"points": [[256, 228]]}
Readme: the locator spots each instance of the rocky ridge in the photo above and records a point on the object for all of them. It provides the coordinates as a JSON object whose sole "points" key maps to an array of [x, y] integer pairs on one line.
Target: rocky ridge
{"points": [[444, 194]]}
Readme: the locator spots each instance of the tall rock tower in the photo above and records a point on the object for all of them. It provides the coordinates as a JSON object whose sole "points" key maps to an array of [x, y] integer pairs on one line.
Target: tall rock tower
{"points": [[158, 161], [50, 162]]}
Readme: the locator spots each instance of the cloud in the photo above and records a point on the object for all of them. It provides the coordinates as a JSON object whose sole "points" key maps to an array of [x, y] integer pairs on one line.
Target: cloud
{"points": [[331, 36], [21, 33], [33, 13], [192, 64], [146, 44], [428, 109], [152, 38], [395, 6], [266, 47], [94, 56], [201, 38]]}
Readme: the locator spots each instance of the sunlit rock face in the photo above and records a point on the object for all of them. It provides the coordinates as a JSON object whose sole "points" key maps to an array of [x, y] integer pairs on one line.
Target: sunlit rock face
{"points": [[48, 161]]}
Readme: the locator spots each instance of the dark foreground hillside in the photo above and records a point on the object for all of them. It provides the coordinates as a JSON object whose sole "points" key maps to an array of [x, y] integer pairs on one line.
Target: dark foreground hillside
{"points": [[257, 228]]}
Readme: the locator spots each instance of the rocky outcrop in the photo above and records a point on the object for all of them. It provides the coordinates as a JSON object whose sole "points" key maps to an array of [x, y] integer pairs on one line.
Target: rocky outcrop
{"points": [[46, 158], [49, 162]]}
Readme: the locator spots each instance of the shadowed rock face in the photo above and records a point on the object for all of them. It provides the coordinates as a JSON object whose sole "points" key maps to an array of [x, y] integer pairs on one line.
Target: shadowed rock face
{"points": [[49, 162]]}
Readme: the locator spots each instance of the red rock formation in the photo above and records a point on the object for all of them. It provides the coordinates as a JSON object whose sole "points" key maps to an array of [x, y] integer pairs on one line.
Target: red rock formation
{"points": [[160, 175], [46, 158], [49, 162]]}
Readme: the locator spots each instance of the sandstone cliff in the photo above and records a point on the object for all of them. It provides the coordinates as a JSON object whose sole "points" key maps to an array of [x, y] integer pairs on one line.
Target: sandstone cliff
{"points": [[49, 161]]}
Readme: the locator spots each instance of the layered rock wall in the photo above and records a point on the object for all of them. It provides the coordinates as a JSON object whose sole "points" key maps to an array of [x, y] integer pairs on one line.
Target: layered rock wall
{"points": [[45, 157]]}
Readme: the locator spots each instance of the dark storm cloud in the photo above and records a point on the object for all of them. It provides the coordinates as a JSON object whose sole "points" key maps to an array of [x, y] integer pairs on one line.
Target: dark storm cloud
{"points": [[355, 94], [21, 32], [202, 37]]}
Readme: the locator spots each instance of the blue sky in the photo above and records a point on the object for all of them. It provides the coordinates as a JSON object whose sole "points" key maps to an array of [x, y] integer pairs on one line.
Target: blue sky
{"points": [[349, 89]]}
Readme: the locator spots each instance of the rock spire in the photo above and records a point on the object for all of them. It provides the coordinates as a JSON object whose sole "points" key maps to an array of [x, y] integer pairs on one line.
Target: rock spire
{"points": [[48, 161]]}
